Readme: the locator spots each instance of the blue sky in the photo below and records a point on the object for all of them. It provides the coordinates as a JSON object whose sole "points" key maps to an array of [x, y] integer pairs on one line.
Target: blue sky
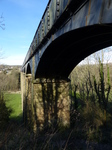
{"points": [[21, 18]]}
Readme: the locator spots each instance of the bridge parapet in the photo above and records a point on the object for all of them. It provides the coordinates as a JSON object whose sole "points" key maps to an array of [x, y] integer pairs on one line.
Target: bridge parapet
{"points": [[56, 13]]}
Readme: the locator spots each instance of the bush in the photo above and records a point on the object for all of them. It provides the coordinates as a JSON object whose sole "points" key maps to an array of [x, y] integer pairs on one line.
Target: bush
{"points": [[4, 112]]}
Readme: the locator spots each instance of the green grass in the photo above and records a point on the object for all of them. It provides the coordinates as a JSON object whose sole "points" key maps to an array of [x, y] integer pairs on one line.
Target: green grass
{"points": [[13, 100]]}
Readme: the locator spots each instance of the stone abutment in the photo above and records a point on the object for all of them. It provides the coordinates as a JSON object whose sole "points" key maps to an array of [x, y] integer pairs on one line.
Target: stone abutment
{"points": [[46, 102]]}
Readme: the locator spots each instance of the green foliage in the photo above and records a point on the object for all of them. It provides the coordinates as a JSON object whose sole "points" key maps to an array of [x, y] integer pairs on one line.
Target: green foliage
{"points": [[101, 90], [94, 100]]}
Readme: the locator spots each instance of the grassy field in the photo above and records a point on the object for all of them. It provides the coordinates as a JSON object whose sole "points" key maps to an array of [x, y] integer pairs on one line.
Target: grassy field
{"points": [[13, 100]]}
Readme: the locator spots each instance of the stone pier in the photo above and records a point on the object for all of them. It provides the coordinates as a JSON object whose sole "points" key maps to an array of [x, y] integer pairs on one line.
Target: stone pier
{"points": [[46, 102]]}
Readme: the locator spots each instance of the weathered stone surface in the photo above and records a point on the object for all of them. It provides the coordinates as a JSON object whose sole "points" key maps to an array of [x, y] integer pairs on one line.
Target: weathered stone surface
{"points": [[46, 103]]}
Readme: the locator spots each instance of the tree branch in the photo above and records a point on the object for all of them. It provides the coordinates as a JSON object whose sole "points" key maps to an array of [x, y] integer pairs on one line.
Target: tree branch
{"points": [[2, 25]]}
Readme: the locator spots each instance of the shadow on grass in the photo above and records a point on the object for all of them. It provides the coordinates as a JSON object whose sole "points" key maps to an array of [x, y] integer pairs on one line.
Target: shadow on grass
{"points": [[17, 119]]}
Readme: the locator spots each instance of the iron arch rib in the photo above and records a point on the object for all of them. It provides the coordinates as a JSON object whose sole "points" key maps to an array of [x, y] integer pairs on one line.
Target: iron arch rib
{"points": [[63, 54]]}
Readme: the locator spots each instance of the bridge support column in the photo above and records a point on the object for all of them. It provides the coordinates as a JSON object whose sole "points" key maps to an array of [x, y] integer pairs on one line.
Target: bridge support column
{"points": [[38, 112], [28, 102], [23, 94], [63, 104], [51, 104]]}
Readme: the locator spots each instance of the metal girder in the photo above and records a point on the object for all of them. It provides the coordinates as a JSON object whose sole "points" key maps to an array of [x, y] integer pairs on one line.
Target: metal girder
{"points": [[82, 28]]}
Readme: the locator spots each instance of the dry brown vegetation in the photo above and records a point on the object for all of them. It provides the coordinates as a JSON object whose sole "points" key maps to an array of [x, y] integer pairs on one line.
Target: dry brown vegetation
{"points": [[90, 117], [10, 81]]}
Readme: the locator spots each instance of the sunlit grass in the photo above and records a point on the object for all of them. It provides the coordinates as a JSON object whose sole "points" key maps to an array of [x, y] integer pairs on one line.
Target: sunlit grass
{"points": [[13, 100]]}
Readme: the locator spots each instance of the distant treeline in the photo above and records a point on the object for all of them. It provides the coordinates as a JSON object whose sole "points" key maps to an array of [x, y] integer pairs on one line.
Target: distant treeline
{"points": [[10, 81]]}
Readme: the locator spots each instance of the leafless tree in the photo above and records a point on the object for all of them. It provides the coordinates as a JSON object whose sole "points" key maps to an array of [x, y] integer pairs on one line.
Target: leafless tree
{"points": [[2, 25]]}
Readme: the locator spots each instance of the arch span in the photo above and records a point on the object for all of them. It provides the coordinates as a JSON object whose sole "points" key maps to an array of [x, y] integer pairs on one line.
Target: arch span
{"points": [[64, 53], [28, 69]]}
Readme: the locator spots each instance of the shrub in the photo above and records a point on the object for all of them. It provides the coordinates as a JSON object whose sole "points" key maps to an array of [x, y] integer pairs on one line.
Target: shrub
{"points": [[4, 112]]}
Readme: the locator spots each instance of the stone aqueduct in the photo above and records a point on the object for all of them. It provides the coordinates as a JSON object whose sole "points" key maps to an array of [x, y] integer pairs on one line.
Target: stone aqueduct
{"points": [[69, 31]]}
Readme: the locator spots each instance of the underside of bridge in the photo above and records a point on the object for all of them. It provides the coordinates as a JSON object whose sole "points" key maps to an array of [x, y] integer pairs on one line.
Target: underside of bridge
{"points": [[54, 54], [68, 50]]}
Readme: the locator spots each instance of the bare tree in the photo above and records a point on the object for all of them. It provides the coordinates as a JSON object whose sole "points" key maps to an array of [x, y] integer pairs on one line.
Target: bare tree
{"points": [[2, 25]]}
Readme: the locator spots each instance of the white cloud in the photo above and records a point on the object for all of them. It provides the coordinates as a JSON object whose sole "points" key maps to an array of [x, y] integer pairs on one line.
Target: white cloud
{"points": [[22, 3], [13, 60], [24, 47], [94, 58]]}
